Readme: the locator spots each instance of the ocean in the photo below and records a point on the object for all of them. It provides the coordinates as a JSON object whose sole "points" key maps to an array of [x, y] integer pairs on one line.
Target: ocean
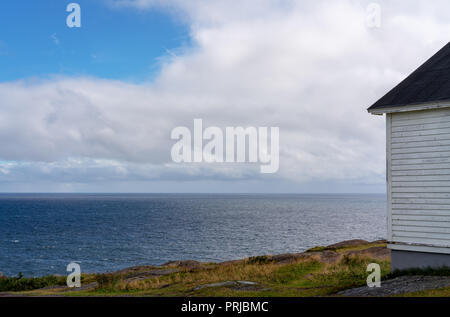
{"points": [[42, 233]]}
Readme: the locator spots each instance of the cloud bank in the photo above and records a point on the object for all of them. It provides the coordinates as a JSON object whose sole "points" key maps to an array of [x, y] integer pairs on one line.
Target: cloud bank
{"points": [[308, 67]]}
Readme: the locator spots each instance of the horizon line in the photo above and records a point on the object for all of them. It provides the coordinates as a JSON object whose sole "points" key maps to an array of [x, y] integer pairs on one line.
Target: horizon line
{"points": [[199, 193]]}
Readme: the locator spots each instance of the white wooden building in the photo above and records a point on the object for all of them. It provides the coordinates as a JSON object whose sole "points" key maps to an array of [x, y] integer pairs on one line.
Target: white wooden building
{"points": [[418, 165]]}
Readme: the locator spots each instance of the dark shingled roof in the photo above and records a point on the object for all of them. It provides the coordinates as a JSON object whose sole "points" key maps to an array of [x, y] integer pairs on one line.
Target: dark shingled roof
{"points": [[429, 83]]}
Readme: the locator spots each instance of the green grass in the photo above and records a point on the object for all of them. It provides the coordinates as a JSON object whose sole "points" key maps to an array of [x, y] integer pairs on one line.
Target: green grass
{"points": [[318, 249], [20, 283], [345, 248], [262, 259], [310, 275], [296, 274], [301, 278], [306, 276]]}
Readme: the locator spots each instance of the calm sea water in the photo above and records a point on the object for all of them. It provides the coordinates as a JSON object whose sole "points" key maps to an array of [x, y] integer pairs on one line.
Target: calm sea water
{"points": [[41, 233]]}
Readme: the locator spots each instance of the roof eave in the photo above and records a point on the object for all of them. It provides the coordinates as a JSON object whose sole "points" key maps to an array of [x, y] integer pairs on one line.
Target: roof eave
{"points": [[411, 107]]}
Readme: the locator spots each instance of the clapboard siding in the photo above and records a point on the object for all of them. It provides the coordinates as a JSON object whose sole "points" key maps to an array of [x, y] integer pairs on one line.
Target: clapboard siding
{"points": [[404, 116], [421, 129], [421, 172], [428, 201], [404, 156], [421, 241], [413, 183], [420, 167], [421, 229], [421, 218], [426, 160], [420, 223], [419, 121], [421, 178], [418, 162], [415, 234], [427, 149], [420, 138], [420, 195], [420, 206], [420, 144], [418, 190], [431, 212]]}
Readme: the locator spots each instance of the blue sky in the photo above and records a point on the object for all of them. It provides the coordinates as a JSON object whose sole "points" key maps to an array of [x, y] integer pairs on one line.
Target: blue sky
{"points": [[118, 44]]}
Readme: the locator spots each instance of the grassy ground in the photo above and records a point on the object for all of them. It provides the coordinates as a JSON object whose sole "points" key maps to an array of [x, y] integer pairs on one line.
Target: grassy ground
{"points": [[320, 272]]}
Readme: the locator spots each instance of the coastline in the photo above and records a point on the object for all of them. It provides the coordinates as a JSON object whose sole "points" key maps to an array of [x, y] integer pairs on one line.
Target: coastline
{"points": [[335, 270], [242, 277]]}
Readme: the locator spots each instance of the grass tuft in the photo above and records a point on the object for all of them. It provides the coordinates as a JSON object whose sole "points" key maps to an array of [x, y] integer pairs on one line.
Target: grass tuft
{"points": [[263, 259], [20, 283]]}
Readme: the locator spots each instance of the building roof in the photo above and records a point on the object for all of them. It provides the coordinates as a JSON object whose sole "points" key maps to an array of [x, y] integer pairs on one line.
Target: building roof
{"points": [[429, 83]]}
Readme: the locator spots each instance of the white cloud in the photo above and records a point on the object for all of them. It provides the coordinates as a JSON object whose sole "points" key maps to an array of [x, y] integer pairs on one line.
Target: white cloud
{"points": [[309, 67]]}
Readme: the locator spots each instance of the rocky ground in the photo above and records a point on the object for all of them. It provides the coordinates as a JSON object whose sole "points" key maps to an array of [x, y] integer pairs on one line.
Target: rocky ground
{"points": [[400, 285], [334, 270]]}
